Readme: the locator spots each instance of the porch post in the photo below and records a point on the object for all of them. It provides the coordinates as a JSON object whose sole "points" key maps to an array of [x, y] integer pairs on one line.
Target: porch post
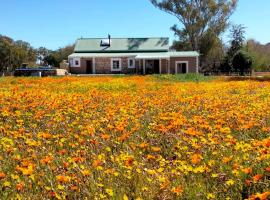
{"points": [[169, 65], [94, 65], [197, 64], [160, 66], [143, 66]]}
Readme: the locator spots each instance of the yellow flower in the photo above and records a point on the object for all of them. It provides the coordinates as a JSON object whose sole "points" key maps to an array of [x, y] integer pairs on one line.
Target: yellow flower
{"points": [[125, 197], [230, 182], [210, 196], [109, 192]]}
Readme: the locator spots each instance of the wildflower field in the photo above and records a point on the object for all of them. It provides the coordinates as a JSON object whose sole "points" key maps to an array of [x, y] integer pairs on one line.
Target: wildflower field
{"points": [[134, 138]]}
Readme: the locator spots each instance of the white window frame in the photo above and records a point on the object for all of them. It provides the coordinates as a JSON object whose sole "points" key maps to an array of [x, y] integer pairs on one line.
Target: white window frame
{"points": [[120, 64], [133, 66], [70, 62], [181, 62], [74, 62]]}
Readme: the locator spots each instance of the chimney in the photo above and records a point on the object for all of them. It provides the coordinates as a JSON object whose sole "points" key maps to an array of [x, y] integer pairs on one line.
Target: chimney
{"points": [[109, 36]]}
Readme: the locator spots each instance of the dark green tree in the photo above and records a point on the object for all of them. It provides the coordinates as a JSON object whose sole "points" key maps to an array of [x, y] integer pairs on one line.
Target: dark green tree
{"points": [[242, 62], [237, 43]]}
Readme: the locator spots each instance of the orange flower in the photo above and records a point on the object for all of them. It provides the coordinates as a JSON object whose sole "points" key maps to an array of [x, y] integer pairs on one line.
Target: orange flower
{"points": [[97, 163], [267, 169], [247, 170], [263, 196], [63, 179], [46, 160], [248, 182], [150, 157], [177, 190], [257, 177], [129, 161], [196, 158], [105, 136], [156, 149], [19, 186], [227, 159], [143, 145], [2, 175]]}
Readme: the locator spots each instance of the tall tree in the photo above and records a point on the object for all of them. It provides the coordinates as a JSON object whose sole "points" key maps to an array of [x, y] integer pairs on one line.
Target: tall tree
{"points": [[198, 17], [237, 43], [14, 53]]}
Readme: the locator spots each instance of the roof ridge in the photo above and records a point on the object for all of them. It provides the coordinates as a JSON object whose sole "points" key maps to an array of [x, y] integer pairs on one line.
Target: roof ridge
{"points": [[126, 38]]}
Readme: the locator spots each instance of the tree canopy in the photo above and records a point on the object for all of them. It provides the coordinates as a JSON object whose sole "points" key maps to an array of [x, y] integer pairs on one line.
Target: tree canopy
{"points": [[198, 17], [260, 54], [14, 53]]}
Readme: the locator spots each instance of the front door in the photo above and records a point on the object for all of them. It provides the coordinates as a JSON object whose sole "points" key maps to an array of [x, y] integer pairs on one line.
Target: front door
{"points": [[89, 67], [152, 66], [156, 66], [181, 68]]}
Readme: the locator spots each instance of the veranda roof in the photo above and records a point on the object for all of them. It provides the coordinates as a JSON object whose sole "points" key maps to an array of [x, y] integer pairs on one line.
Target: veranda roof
{"points": [[156, 55]]}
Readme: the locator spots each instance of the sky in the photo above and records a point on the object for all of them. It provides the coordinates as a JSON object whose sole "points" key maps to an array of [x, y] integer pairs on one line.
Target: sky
{"points": [[56, 23]]}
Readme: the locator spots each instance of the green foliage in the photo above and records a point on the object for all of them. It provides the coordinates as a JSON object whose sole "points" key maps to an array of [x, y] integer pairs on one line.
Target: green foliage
{"points": [[190, 77], [260, 54], [14, 53], [54, 58], [242, 62], [198, 17], [237, 42]]}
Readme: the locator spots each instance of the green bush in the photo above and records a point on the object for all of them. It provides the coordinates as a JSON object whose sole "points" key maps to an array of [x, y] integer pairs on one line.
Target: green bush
{"points": [[242, 62]]}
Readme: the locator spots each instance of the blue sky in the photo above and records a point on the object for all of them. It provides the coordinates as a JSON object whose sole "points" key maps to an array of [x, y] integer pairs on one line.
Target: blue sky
{"points": [[56, 23]]}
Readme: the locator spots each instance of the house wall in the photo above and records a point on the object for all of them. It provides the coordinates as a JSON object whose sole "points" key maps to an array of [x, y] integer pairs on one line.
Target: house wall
{"points": [[81, 69], [192, 63], [164, 66], [103, 65]]}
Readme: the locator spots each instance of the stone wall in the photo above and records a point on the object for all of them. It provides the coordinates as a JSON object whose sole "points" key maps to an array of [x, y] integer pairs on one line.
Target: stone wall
{"points": [[103, 66]]}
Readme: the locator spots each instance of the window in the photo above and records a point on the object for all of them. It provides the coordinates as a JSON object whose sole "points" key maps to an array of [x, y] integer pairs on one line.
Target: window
{"points": [[131, 63], [116, 64], [76, 62], [71, 62]]}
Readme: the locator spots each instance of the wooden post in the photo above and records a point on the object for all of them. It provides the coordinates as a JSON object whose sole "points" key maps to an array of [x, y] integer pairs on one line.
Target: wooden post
{"points": [[160, 66], [94, 65], [143, 66]]}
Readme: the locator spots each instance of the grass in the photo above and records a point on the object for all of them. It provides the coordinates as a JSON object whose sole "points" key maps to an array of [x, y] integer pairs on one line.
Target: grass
{"points": [[183, 78]]}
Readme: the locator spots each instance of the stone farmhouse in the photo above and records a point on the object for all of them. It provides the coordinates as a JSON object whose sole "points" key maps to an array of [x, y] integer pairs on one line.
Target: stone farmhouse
{"points": [[130, 56]]}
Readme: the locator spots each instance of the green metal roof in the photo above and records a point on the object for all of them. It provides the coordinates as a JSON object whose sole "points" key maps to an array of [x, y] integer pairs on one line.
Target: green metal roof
{"points": [[87, 45], [155, 55]]}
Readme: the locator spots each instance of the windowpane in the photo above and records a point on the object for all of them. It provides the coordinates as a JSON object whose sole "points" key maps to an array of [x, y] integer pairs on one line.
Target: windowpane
{"points": [[116, 64], [131, 63]]}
